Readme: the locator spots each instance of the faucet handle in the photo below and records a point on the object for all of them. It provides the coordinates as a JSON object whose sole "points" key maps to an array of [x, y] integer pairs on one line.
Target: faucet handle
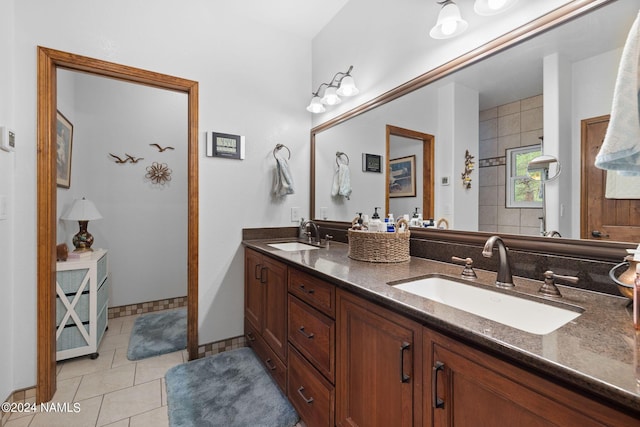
{"points": [[468, 267], [549, 287]]}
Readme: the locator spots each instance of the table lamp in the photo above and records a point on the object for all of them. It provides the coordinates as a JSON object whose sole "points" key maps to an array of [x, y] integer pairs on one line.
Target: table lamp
{"points": [[83, 211]]}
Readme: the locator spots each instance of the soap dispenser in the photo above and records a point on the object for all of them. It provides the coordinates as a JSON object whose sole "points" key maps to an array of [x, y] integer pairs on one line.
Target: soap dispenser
{"points": [[375, 224], [416, 221], [357, 222]]}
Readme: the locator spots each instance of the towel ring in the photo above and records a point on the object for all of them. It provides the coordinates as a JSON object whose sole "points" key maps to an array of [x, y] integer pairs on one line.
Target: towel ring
{"points": [[338, 155], [278, 148]]}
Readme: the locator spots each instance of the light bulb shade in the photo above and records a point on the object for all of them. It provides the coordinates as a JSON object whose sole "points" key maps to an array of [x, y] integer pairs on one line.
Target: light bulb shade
{"points": [[316, 106], [82, 210], [347, 87], [450, 22], [330, 96], [492, 7]]}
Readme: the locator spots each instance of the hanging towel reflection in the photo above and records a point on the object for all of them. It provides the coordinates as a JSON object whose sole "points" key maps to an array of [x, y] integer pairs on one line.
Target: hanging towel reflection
{"points": [[341, 178], [620, 149], [282, 180]]}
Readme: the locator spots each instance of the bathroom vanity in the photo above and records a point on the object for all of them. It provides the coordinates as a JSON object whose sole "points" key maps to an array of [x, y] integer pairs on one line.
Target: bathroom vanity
{"points": [[349, 348]]}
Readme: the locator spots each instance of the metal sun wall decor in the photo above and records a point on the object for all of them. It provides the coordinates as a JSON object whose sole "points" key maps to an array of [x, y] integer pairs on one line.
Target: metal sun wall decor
{"points": [[468, 167], [158, 173]]}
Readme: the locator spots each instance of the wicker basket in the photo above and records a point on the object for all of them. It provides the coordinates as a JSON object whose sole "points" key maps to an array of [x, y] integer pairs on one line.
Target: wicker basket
{"points": [[378, 246]]}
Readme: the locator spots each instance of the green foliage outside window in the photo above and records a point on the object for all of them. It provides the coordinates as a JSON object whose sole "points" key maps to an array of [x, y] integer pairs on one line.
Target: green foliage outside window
{"points": [[525, 189]]}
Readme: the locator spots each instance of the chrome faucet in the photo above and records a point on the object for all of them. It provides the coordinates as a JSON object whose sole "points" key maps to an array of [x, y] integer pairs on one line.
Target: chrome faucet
{"points": [[504, 279], [307, 235]]}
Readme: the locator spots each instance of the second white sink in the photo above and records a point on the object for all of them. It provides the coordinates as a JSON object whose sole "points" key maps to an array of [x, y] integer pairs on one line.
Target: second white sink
{"points": [[292, 246], [520, 313]]}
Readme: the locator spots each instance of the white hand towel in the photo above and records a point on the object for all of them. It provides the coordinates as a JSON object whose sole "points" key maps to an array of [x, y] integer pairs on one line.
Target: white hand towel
{"points": [[283, 181], [621, 146], [341, 182]]}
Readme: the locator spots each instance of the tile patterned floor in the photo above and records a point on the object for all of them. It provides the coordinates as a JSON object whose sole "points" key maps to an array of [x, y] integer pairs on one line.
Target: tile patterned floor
{"points": [[111, 390]]}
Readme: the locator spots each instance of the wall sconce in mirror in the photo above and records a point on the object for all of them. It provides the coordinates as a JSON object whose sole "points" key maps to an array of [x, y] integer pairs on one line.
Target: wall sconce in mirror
{"points": [[342, 84], [468, 167], [450, 22]]}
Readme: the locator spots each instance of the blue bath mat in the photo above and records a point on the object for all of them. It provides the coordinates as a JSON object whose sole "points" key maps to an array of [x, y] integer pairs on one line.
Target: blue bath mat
{"points": [[158, 333], [228, 389]]}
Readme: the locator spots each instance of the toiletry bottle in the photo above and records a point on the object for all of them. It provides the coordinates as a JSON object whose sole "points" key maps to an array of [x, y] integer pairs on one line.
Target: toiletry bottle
{"points": [[415, 219], [636, 299], [391, 224], [365, 222], [375, 224], [357, 222]]}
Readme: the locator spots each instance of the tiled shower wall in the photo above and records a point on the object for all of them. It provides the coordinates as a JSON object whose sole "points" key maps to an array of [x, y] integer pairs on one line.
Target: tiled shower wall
{"points": [[517, 124]]}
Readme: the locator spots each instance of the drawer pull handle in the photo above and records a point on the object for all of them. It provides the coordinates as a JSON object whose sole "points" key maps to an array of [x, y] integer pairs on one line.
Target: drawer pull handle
{"points": [[306, 335], [250, 336], [308, 400], [437, 402], [307, 291], [403, 377], [263, 276], [255, 271], [270, 364]]}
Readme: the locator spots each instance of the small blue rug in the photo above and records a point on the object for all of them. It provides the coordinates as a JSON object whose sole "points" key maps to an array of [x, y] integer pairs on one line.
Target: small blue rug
{"points": [[229, 389], [158, 333]]}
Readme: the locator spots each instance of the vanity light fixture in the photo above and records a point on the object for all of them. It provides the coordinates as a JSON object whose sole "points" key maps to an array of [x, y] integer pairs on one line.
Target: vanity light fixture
{"points": [[450, 22], [342, 84], [492, 7]]}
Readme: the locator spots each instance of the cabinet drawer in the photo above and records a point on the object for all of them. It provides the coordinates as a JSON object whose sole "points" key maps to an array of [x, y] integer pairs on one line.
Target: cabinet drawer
{"points": [[318, 293], [313, 334], [309, 392], [274, 365], [101, 269]]}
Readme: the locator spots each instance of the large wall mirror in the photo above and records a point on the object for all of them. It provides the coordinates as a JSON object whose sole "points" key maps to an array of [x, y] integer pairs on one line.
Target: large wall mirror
{"points": [[579, 45]]}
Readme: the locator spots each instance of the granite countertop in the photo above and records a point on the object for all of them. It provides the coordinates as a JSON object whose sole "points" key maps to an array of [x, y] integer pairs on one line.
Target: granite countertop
{"points": [[599, 352]]}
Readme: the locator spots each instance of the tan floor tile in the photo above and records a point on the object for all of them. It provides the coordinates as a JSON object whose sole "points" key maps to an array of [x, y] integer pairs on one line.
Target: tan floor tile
{"points": [[121, 423], [84, 365], [114, 341], [129, 402], [86, 415], [156, 418], [104, 382], [155, 367], [20, 422], [66, 389], [120, 358]]}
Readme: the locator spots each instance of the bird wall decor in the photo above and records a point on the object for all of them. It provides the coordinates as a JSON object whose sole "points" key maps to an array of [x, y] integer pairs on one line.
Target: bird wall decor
{"points": [[118, 159], [133, 159], [161, 149]]}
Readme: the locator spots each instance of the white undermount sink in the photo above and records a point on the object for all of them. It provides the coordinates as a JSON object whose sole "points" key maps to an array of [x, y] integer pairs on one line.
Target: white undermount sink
{"points": [[292, 246], [520, 313]]}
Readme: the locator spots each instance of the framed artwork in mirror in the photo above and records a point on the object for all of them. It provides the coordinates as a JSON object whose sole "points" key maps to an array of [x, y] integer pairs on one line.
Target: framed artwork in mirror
{"points": [[402, 177], [371, 163], [64, 142]]}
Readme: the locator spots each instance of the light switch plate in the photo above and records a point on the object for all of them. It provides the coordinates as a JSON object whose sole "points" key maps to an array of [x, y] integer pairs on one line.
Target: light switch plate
{"points": [[3, 207], [7, 139], [295, 214]]}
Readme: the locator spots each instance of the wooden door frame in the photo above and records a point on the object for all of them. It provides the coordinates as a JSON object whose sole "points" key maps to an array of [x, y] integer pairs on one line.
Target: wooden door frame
{"points": [[49, 60], [428, 142], [584, 166]]}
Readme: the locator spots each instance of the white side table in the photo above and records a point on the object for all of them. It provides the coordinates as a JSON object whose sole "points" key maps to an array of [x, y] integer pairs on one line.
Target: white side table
{"points": [[82, 296]]}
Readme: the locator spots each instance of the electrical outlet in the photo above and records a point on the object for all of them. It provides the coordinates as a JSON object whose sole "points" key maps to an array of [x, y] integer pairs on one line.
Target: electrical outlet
{"points": [[295, 214], [323, 212]]}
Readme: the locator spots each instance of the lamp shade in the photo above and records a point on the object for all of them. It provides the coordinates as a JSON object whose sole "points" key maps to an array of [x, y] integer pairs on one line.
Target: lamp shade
{"points": [[316, 106], [330, 96], [82, 210], [347, 87], [450, 22], [492, 7]]}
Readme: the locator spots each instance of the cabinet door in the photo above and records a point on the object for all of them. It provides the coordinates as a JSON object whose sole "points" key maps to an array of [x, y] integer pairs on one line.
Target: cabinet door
{"points": [[471, 388], [253, 288], [275, 310], [378, 383]]}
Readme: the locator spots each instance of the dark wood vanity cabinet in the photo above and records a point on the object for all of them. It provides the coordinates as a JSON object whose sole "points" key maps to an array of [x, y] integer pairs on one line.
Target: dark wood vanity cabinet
{"points": [[265, 298], [379, 366], [464, 386]]}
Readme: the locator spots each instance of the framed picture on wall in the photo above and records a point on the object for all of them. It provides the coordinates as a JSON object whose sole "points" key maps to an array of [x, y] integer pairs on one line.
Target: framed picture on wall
{"points": [[371, 163], [402, 177], [64, 143]]}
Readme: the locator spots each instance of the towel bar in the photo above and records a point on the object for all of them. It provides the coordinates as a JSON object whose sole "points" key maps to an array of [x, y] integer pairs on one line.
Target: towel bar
{"points": [[339, 154], [279, 147]]}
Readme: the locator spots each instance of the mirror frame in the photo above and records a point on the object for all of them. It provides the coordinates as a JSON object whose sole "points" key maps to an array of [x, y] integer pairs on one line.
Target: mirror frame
{"points": [[598, 250], [49, 60]]}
